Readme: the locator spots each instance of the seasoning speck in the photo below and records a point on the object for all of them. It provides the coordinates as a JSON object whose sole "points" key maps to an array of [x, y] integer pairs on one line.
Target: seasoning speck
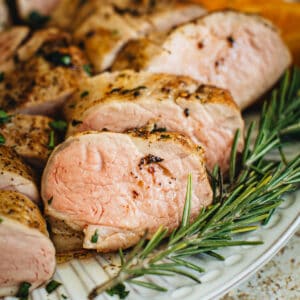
{"points": [[84, 94], [186, 112]]}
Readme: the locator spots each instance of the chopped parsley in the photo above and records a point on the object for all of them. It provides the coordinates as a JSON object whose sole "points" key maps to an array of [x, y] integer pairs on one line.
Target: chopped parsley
{"points": [[1, 220], [36, 20], [23, 291], [59, 59], [52, 286], [64, 296], [94, 238], [51, 144], [84, 94], [119, 290], [1, 76], [4, 117], [88, 69], [2, 139], [58, 125]]}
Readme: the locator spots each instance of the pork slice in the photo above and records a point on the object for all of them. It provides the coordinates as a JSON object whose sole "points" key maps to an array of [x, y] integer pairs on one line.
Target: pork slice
{"points": [[104, 28], [16, 175], [48, 72], [27, 254], [240, 52], [25, 7], [102, 35], [123, 100], [117, 185], [29, 136], [10, 40]]}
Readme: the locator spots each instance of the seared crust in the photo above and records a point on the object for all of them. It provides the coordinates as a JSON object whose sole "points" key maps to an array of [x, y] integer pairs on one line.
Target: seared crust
{"points": [[29, 136], [135, 54], [40, 83], [21, 209], [10, 161], [128, 86]]}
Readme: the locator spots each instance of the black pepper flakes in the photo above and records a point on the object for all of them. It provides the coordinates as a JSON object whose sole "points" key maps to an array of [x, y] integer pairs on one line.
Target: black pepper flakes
{"points": [[186, 112], [149, 159], [76, 122], [84, 94], [230, 41]]}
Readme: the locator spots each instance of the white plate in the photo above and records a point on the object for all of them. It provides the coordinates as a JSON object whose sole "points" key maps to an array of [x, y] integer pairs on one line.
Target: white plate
{"points": [[80, 276]]}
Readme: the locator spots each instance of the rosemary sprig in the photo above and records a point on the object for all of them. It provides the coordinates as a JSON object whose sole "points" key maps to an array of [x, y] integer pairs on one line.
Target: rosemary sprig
{"points": [[254, 192]]}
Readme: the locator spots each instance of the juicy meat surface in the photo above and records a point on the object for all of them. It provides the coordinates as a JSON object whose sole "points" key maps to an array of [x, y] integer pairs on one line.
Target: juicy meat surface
{"points": [[16, 175], [240, 52], [27, 254], [47, 74], [29, 136], [123, 100], [106, 27], [120, 184]]}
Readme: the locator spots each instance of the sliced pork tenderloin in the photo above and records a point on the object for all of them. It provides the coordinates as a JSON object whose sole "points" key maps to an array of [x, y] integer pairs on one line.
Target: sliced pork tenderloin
{"points": [[240, 52], [27, 253], [29, 136], [48, 72], [16, 175], [123, 100], [117, 185], [105, 28]]}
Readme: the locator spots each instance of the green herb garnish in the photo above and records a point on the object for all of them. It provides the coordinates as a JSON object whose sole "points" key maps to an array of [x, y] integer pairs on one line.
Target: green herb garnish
{"points": [[59, 59], [1, 220], [51, 143], [255, 190], [118, 290], [4, 117], [2, 139], [64, 296], [23, 291], [52, 286], [59, 125], [94, 238]]}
